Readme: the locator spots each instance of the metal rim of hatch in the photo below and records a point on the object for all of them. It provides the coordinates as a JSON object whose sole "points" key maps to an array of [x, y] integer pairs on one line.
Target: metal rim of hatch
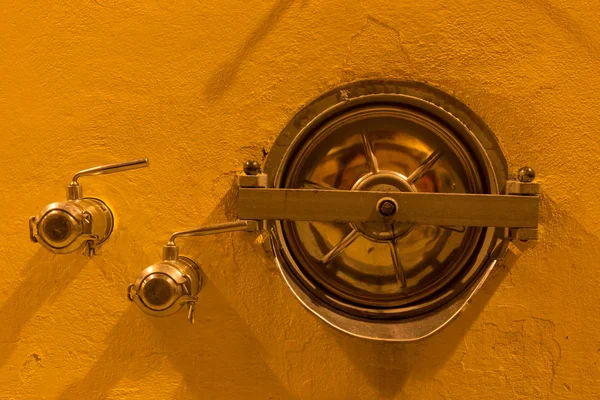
{"points": [[402, 318]]}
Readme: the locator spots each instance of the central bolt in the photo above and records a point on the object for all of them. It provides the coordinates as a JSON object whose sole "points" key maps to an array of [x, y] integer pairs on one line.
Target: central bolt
{"points": [[387, 208]]}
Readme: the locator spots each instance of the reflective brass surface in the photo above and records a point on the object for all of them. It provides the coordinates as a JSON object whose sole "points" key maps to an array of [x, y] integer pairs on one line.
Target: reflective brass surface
{"points": [[159, 291], [163, 288], [80, 222], [68, 226], [58, 228], [375, 265], [384, 281]]}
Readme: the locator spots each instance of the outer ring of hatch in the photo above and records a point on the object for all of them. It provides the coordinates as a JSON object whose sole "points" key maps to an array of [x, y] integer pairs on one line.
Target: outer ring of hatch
{"points": [[474, 133]]}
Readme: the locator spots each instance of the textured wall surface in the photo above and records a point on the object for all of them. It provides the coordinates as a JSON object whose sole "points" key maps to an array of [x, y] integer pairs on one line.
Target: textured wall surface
{"points": [[201, 86]]}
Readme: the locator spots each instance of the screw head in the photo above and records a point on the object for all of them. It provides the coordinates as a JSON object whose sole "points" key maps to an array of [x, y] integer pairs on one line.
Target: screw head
{"points": [[526, 174], [387, 208], [251, 167]]}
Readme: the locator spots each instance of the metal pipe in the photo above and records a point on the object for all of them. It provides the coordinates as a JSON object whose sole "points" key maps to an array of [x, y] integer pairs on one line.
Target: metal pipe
{"points": [[111, 168], [211, 230]]}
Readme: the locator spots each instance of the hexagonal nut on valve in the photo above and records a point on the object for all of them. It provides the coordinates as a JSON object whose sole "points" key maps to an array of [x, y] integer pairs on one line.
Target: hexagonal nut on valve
{"points": [[163, 288]]}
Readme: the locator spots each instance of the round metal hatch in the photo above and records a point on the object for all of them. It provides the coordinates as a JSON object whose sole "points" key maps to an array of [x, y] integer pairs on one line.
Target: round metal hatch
{"points": [[376, 280]]}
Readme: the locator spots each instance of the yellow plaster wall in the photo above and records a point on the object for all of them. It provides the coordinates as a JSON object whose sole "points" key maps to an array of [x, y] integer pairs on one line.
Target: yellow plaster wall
{"points": [[201, 86]]}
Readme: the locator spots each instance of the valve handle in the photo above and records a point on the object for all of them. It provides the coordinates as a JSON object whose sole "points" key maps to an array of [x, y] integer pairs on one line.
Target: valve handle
{"points": [[74, 190]]}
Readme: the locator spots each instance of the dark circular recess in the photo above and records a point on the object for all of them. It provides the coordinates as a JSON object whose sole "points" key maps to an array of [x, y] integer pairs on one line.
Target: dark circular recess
{"points": [[159, 291], [58, 228]]}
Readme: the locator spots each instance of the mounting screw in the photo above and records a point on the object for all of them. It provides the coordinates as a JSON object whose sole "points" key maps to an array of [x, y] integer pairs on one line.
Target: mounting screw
{"points": [[387, 207], [252, 167], [526, 174]]}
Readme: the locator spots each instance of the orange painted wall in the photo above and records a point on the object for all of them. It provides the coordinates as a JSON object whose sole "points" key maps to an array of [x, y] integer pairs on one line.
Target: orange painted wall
{"points": [[201, 86]]}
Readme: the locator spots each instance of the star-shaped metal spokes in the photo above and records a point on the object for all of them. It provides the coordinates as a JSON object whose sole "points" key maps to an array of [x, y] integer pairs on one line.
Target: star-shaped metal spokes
{"points": [[354, 234], [369, 152]]}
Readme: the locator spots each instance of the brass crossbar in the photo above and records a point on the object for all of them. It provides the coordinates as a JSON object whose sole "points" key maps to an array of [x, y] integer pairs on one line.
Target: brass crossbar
{"points": [[413, 208]]}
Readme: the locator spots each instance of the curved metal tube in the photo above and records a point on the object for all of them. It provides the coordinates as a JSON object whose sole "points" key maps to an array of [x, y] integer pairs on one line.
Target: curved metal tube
{"points": [[211, 230], [111, 168]]}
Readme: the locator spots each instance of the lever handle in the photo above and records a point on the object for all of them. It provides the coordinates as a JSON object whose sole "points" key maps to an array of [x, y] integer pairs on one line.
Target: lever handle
{"points": [[74, 190], [111, 168], [63, 227]]}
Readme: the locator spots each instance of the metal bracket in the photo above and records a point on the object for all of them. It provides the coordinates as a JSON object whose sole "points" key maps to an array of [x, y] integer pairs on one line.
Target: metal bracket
{"points": [[32, 234], [522, 188], [247, 181], [524, 234], [518, 209], [413, 208]]}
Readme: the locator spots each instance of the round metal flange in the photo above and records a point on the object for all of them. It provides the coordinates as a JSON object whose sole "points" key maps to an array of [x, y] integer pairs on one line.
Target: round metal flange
{"points": [[158, 291], [163, 288], [377, 280], [58, 228], [67, 226]]}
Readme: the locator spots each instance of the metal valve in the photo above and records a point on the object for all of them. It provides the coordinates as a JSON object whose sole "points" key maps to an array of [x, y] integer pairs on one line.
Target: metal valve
{"points": [[79, 222], [163, 288]]}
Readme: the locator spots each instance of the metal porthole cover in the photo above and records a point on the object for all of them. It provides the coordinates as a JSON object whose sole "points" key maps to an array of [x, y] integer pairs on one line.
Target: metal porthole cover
{"points": [[378, 281]]}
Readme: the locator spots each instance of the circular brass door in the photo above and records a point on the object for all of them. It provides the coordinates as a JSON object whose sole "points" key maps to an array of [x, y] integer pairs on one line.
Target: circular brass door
{"points": [[390, 282]]}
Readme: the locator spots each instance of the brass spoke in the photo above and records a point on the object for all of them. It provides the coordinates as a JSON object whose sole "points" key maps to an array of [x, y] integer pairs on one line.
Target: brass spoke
{"points": [[424, 167], [369, 153], [398, 268], [340, 247]]}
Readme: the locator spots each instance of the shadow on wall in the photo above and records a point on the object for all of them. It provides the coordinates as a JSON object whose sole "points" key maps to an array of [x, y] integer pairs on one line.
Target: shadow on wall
{"points": [[388, 365], [225, 74], [216, 355], [220, 355], [47, 275], [566, 23]]}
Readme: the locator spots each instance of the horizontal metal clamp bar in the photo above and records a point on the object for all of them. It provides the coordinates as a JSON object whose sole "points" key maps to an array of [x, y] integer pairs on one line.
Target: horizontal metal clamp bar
{"points": [[412, 208]]}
